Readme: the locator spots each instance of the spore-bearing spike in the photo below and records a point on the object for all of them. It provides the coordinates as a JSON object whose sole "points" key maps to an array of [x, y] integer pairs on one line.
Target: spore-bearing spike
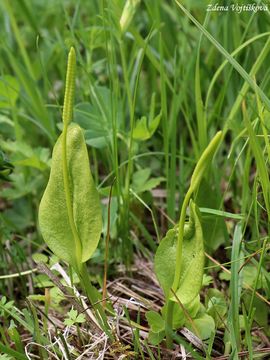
{"points": [[70, 87]]}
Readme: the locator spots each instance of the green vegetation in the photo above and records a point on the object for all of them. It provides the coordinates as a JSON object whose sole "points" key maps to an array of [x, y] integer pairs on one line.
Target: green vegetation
{"points": [[151, 161]]}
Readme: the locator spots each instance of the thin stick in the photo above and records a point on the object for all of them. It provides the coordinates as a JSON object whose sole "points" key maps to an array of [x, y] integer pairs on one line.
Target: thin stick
{"points": [[43, 268], [104, 290], [188, 317], [244, 283]]}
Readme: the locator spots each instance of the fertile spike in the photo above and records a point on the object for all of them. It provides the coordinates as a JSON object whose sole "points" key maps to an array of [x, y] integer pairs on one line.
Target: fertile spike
{"points": [[70, 87]]}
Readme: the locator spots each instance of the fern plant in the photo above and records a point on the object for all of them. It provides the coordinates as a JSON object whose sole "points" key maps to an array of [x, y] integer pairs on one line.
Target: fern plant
{"points": [[179, 260]]}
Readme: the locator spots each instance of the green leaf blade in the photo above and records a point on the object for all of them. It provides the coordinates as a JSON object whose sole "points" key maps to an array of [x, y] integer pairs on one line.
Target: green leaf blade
{"points": [[53, 216], [165, 259], [192, 260]]}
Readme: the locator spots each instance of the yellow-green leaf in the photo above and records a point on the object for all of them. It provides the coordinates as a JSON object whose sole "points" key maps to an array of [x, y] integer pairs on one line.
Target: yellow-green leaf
{"points": [[192, 259], [53, 216]]}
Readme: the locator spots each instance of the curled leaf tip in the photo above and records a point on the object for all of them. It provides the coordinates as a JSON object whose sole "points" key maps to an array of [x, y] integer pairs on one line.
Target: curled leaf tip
{"points": [[70, 87], [205, 160]]}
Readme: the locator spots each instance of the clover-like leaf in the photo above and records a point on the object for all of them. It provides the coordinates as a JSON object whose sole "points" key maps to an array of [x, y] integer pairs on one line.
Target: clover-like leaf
{"points": [[156, 338], [155, 321], [157, 327], [74, 318], [144, 130]]}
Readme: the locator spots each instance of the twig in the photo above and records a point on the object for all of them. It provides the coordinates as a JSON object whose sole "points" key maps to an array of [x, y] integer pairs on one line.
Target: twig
{"points": [[43, 268]]}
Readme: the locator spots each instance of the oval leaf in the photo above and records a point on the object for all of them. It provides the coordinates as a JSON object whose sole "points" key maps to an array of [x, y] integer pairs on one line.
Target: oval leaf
{"points": [[192, 260], [165, 258], [179, 316], [53, 216], [155, 321], [204, 324]]}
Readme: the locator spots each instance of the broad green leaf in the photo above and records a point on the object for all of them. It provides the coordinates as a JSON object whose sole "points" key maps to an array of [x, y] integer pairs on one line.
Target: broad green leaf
{"points": [[165, 260], [249, 274], [262, 310], [40, 258], [155, 321], [97, 118], [7, 127], [24, 155], [204, 324], [157, 326], [140, 177], [156, 338], [21, 186], [53, 215], [152, 184], [192, 259], [97, 129], [17, 218], [141, 131], [216, 306], [179, 317], [56, 297], [142, 182]]}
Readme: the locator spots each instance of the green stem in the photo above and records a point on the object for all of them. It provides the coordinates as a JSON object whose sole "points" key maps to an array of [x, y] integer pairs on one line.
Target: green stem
{"points": [[78, 247], [95, 301], [178, 263], [80, 267], [131, 116], [169, 323], [257, 279], [67, 117], [196, 178], [127, 251]]}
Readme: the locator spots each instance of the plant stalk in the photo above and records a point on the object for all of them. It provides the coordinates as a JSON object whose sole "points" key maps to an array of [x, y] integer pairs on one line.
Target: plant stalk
{"points": [[95, 301], [78, 247], [178, 263]]}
